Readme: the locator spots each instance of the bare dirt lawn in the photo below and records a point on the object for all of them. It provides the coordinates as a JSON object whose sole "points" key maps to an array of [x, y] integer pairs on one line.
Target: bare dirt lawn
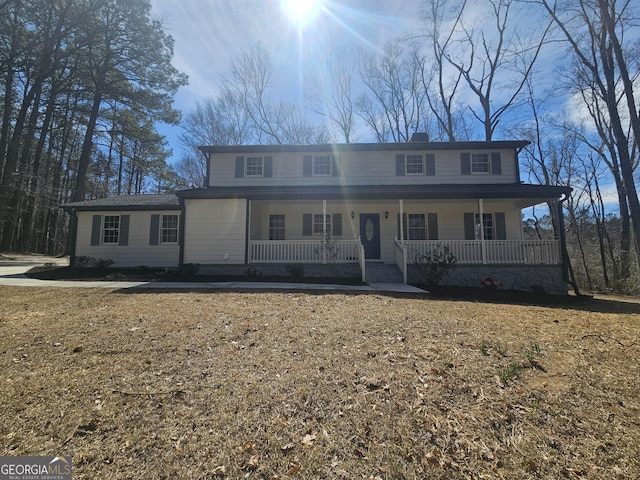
{"points": [[153, 384]]}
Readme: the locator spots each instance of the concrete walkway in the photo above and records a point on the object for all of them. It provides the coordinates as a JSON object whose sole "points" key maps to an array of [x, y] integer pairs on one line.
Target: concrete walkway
{"points": [[13, 267]]}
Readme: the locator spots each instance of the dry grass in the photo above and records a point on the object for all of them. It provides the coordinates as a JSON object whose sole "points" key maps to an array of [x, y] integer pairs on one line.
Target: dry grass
{"points": [[304, 385]]}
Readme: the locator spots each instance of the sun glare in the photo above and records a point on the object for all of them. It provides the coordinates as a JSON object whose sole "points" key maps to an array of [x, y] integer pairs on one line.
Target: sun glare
{"points": [[301, 12]]}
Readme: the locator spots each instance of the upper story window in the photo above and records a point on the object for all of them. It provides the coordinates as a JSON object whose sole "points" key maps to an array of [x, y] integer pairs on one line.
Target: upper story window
{"points": [[111, 229], [169, 229], [414, 165], [479, 163], [254, 167], [322, 166]]}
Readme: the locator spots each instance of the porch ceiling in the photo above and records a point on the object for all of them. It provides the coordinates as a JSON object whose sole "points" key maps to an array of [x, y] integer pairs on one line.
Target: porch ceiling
{"points": [[529, 194]]}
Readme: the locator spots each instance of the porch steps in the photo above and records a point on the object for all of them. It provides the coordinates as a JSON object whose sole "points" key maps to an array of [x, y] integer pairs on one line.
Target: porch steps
{"points": [[383, 273]]}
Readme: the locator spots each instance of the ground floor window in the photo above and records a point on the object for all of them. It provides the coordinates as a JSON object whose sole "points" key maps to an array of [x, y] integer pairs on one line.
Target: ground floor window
{"points": [[169, 229], [416, 226], [111, 229], [318, 224], [276, 227], [487, 226]]}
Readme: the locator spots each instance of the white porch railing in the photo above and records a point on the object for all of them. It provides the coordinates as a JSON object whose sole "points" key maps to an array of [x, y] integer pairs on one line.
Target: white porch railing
{"points": [[304, 251], [401, 258], [530, 252], [362, 260]]}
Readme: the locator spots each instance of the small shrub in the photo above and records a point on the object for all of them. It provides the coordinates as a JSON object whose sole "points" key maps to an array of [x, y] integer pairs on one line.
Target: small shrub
{"points": [[433, 265], [253, 272], [91, 262], [484, 348], [295, 271], [190, 269]]}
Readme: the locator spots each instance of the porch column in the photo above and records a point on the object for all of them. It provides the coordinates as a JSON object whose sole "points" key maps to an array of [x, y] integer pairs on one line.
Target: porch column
{"points": [[401, 220], [248, 255], [324, 230], [483, 246]]}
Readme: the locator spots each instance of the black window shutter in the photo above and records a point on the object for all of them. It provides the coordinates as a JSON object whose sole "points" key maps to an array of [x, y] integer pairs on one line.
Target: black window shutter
{"points": [[465, 163], [430, 164], [501, 227], [400, 165], [496, 163], [267, 170], [335, 166], [239, 167], [307, 224], [154, 230], [469, 226], [124, 230], [337, 224], [432, 226], [307, 166], [96, 228]]}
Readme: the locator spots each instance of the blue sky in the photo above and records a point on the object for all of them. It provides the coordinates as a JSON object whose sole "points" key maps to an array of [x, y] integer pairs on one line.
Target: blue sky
{"points": [[209, 34]]}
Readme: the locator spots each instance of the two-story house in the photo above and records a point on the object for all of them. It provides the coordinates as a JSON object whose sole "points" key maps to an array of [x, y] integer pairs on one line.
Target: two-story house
{"points": [[338, 209]]}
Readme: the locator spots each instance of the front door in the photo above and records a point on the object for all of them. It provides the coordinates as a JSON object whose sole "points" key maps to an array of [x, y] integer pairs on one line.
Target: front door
{"points": [[370, 235]]}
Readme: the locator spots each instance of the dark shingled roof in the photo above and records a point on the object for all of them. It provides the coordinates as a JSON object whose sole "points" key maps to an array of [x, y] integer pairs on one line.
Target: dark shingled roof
{"points": [[366, 147], [129, 202]]}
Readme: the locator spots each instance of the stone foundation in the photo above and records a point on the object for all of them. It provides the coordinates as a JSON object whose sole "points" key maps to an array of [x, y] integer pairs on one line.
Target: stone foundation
{"points": [[526, 278]]}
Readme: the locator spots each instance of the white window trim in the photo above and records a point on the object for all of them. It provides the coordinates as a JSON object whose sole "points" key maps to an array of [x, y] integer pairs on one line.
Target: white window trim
{"points": [[488, 172], [424, 228], [105, 229], [246, 167], [406, 165], [314, 224], [478, 225], [313, 166], [283, 228], [162, 228]]}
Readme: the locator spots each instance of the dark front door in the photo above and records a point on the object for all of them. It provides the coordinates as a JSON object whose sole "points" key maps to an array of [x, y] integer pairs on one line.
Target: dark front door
{"points": [[370, 235]]}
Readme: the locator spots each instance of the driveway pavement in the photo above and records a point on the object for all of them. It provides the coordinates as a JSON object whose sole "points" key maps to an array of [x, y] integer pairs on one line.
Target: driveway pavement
{"points": [[13, 267]]}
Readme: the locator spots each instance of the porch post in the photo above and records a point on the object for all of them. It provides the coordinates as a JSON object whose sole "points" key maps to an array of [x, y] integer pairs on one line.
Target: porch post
{"points": [[483, 245], [324, 231], [247, 258], [401, 222]]}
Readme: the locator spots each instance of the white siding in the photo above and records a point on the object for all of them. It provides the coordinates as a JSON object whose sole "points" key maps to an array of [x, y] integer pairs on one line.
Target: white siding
{"points": [[215, 231], [138, 252], [361, 168]]}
